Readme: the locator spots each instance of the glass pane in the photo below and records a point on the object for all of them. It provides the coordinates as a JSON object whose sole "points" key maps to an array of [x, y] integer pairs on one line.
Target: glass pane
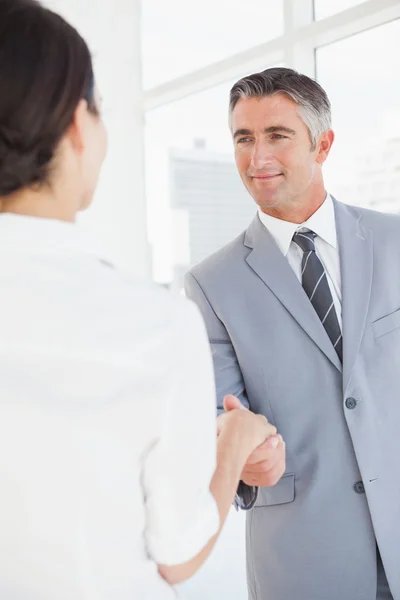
{"points": [[196, 200], [360, 75], [326, 8], [180, 36]]}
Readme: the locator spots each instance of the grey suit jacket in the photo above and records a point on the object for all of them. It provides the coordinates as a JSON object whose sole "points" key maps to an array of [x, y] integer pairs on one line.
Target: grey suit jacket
{"points": [[313, 536]]}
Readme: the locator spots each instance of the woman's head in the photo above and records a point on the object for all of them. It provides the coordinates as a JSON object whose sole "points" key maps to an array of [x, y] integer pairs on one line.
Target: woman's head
{"points": [[51, 134]]}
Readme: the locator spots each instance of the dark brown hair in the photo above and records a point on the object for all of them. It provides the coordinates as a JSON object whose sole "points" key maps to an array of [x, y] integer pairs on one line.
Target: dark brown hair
{"points": [[45, 70]]}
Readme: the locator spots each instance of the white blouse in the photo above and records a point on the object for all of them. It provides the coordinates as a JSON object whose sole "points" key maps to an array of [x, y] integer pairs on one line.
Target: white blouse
{"points": [[107, 423]]}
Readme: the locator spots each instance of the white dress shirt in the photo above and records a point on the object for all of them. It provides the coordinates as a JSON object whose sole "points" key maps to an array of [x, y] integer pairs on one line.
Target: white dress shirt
{"points": [[322, 222], [107, 423]]}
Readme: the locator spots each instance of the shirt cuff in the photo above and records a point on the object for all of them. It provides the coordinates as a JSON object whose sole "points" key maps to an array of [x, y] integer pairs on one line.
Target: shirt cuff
{"points": [[246, 496], [182, 546]]}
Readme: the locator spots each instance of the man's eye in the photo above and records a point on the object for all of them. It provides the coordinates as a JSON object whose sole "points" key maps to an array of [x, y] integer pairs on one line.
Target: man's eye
{"points": [[279, 136], [243, 140]]}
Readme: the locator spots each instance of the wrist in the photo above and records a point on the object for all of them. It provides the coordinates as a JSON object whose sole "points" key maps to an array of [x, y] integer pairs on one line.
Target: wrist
{"points": [[233, 450]]}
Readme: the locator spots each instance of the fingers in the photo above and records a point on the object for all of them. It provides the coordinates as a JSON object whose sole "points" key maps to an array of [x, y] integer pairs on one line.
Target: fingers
{"points": [[273, 457], [268, 479], [267, 472], [271, 430], [221, 422], [255, 428], [263, 452], [232, 403], [275, 474]]}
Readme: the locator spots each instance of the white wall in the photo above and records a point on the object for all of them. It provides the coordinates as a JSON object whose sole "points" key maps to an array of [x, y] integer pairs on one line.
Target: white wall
{"points": [[118, 215]]}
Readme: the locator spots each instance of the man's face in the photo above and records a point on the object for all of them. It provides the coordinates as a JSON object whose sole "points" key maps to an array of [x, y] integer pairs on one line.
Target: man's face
{"points": [[273, 152]]}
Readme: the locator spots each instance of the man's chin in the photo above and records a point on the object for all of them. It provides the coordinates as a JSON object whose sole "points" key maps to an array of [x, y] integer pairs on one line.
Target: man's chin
{"points": [[271, 202]]}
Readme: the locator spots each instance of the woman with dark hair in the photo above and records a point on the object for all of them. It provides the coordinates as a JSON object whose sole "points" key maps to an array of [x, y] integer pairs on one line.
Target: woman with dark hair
{"points": [[48, 105], [112, 482]]}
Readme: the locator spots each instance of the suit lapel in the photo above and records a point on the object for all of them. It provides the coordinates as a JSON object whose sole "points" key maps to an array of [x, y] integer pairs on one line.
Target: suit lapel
{"points": [[356, 264], [268, 262]]}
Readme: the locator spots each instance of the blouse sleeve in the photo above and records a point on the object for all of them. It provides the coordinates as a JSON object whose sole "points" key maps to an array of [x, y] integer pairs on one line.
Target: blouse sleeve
{"points": [[181, 513]]}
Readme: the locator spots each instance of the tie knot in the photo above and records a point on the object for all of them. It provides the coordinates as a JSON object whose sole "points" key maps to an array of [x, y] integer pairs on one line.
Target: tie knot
{"points": [[305, 239]]}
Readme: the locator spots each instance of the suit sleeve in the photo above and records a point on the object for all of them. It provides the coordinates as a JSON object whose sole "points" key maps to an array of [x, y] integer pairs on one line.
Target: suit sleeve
{"points": [[228, 376]]}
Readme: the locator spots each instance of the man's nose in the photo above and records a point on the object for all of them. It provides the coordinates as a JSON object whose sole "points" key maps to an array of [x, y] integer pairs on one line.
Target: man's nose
{"points": [[261, 155]]}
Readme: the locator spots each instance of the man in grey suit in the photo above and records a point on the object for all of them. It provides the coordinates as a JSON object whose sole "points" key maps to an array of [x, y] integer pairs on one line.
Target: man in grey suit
{"points": [[303, 316]]}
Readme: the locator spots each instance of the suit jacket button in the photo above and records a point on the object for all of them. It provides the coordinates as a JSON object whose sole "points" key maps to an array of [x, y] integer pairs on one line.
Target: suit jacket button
{"points": [[351, 403], [359, 487]]}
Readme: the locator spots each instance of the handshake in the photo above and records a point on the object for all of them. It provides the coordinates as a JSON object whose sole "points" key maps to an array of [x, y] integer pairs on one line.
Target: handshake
{"points": [[248, 449], [258, 445]]}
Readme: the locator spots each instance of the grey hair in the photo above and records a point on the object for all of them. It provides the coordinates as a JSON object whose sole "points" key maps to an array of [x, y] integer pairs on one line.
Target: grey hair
{"points": [[313, 102]]}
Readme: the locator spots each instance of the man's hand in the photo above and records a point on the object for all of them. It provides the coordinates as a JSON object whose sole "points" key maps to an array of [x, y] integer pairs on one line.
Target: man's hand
{"points": [[266, 464]]}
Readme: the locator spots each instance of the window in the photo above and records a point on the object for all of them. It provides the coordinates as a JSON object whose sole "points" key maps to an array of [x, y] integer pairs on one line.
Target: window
{"points": [[360, 76], [326, 8], [196, 200], [181, 36], [195, 197]]}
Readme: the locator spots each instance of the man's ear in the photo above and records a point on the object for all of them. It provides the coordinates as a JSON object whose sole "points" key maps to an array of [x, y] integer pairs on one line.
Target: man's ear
{"points": [[324, 145]]}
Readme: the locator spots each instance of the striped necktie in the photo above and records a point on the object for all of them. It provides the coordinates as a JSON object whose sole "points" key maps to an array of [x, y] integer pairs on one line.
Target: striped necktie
{"points": [[316, 286]]}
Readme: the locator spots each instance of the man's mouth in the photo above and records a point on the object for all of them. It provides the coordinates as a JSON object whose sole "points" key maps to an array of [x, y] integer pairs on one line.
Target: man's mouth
{"points": [[266, 176]]}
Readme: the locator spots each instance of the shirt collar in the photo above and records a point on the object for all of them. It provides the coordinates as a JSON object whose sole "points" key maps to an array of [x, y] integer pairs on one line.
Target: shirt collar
{"points": [[48, 235], [322, 222]]}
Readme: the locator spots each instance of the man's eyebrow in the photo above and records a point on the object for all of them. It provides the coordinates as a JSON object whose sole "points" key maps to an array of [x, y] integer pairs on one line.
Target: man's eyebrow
{"points": [[272, 129], [277, 128], [241, 132]]}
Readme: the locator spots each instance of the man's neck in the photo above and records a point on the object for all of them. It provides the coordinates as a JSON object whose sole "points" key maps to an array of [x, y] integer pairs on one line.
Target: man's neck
{"points": [[297, 213]]}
